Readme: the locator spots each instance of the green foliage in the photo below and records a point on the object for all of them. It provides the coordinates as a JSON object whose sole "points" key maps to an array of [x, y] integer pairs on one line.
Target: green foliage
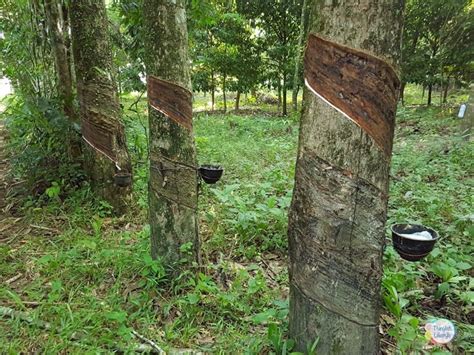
{"points": [[437, 44], [96, 278], [38, 131], [431, 186]]}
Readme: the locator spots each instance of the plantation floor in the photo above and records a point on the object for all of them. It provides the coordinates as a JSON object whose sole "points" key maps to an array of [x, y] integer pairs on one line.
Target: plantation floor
{"points": [[70, 263]]}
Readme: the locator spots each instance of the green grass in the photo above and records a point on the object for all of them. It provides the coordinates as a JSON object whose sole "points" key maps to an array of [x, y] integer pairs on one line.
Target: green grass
{"points": [[93, 278]]}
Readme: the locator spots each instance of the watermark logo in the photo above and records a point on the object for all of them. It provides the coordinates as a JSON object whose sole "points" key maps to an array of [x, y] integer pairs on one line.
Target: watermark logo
{"points": [[440, 331]]}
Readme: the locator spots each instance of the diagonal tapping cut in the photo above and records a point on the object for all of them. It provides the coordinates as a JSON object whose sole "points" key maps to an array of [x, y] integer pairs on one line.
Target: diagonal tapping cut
{"points": [[172, 100], [362, 87]]}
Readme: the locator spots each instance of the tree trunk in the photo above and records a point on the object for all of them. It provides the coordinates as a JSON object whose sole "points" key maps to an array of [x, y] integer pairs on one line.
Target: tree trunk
{"points": [[285, 106], [430, 92], [423, 92], [237, 101], [279, 95], [224, 92], [445, 91], [102, 130], [213, 92], [299, 53], [402, 92], [58, 45], [173, 179], [338, 213]]}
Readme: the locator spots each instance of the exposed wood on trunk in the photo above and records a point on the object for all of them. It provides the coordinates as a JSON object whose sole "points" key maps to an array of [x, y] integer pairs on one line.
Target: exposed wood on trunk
{"points": [[170, 99], [99, 105], [173, 178], [360, 85], [338, 212]]}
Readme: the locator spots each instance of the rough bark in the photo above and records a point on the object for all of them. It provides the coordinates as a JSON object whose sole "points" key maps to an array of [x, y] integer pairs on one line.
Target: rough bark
{"points": [[99, 103], [173, 179], [58, 44], [338, 212]]}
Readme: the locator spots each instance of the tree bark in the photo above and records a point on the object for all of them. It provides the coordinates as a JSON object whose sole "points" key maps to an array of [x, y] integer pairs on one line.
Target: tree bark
{"points": [[55, 27], [99, 103], [338, 212], [173, 180]]}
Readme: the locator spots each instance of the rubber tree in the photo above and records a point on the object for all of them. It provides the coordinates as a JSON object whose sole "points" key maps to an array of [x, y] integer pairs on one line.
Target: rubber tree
{"points": [[338, 213], [56, 26], [173, 180], [105, 150]]}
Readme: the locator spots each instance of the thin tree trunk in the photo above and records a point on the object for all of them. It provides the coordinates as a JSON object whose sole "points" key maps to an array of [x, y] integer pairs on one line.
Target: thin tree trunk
{"points": [[299, 54], [224, 92], [338, 213], [423, 92], [402, 93], [285, 106], [430, 92], [58, 45], [106, 148], [445, 92], [173, 178], [213, 92], [279, 95], [237, 101], [213, 98]]}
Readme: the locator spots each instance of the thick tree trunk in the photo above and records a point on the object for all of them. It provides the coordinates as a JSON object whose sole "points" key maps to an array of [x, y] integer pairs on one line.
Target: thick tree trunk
{"points": [[55, 27], [173, 178], [106, 148], [338, 212], [299, 53]]}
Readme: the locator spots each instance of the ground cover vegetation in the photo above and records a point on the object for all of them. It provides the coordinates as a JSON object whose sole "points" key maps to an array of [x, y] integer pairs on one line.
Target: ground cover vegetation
{"points": [[82, 279]]}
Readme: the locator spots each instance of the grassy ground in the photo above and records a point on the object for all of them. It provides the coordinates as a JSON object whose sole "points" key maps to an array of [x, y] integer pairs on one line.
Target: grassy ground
{"points": [[89, 275]]}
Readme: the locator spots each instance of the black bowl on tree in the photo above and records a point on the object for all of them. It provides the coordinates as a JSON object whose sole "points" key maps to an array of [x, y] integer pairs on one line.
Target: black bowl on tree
{"points": [[210, 173], [413, 241], [123, 179]]}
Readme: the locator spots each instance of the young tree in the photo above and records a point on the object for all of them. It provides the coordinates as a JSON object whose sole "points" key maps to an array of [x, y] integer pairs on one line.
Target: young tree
{"points": [[106, 149], [338, 212], [173, 179], [279, 23], [437, 42]]}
